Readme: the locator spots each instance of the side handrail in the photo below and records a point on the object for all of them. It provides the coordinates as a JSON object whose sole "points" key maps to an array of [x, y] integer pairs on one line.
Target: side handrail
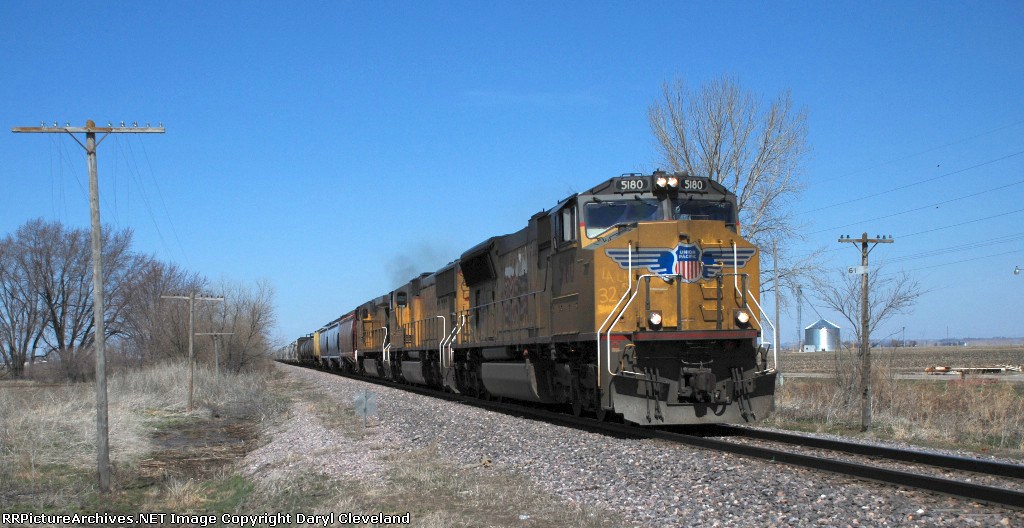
{"points": [[442, 336], [629, 288], [447, 352], [443, 345]]}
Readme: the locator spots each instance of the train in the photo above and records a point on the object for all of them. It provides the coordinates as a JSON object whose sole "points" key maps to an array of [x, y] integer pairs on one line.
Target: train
{"points": [[636, 300]]}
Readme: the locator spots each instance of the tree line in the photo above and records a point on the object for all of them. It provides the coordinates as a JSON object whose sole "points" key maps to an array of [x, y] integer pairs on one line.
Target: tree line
{"points": [[46, 305]]}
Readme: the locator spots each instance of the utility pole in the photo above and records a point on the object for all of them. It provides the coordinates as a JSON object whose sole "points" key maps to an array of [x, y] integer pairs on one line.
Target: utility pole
{"points": [[216, 348], [865, 330], [90, 130], [778, 292], [799, 319], [191, 298]]}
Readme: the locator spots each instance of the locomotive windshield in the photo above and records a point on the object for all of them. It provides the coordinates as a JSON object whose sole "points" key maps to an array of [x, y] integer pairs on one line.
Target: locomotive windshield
{"points": [[600, 216], [683, 209]]}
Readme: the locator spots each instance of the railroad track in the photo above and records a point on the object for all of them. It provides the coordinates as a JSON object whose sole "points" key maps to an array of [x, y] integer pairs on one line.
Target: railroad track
{"points": [[868, 470], [705, 438]]}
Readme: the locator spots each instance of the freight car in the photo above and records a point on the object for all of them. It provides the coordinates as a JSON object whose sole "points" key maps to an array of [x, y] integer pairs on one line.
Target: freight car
{"points": [[636, 300]]}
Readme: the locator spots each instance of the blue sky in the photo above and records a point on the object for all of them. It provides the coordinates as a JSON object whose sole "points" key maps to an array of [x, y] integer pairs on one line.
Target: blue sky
{"points": [[327, 147]]}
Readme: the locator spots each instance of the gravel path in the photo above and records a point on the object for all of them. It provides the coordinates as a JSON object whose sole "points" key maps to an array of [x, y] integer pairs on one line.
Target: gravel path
{"points": [[650, 483]]}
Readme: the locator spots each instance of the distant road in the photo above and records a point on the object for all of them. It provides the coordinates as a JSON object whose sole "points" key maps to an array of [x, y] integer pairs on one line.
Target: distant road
{"points": [[1012, 378]]}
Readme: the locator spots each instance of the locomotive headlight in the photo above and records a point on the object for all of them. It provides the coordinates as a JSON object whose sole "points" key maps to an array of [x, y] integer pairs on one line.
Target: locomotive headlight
{"points": [[654, 320], [661, 182], [673, 182], [742, 318]]}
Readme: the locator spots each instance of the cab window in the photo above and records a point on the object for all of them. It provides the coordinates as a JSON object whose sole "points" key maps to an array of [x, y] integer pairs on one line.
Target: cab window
{"points": [[702, 210], [602, 216]]}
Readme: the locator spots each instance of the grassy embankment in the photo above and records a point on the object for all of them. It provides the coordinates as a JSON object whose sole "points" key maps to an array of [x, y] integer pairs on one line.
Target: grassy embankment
{"points": [[945, 411], [167, 460]]}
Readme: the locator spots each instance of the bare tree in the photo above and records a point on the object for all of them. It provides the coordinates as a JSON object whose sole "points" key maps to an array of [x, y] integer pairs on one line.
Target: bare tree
{"points": [[22, 319], [153, 327], [728, 134], [249, 314], [58, 260], [890, 295]]}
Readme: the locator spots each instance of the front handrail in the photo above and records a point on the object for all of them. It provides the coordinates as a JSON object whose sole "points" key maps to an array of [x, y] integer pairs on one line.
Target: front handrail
{"points": [[608, 334], [760, 311]]}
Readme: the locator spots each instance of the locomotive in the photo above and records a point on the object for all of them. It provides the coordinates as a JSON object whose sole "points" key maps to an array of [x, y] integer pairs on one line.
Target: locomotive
{"points": [[634, 300]]}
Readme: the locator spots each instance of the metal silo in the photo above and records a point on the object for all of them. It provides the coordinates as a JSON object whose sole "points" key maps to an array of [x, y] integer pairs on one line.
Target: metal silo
{"points": [[822, 336]]}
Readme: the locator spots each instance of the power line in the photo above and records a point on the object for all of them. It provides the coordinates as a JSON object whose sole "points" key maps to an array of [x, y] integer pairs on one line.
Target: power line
{"points": [[932, 149], [962, 247], [145, 200], [961, 223], [909, 185], [923, 207], [967, 260], [167, 213]]}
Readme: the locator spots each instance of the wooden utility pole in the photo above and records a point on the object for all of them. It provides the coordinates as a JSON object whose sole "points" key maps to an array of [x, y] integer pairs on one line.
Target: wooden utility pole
{"points": [[799, 319], [191, 298], [778, 292], [90, 130], [216, 348], [865, 327]]}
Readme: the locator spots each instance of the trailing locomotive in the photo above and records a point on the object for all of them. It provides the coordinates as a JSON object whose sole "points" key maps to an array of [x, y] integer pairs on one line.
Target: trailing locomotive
{"points": [[634, 299]]}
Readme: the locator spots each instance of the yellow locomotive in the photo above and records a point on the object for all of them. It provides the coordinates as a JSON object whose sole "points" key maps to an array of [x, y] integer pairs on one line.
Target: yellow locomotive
{"points": [[635, 299]]}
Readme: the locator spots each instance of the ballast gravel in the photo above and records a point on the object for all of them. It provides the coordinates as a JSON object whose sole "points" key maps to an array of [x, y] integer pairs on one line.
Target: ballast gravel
{"points": [[650, 483]]}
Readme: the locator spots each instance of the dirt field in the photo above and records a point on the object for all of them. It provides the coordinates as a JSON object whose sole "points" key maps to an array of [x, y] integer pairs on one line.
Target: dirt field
{"points": [[907, 360]]}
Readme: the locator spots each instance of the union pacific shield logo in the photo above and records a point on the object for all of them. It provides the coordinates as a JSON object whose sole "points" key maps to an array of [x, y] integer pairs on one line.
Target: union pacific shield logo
{"points": [[688, 265], [688, 261]]}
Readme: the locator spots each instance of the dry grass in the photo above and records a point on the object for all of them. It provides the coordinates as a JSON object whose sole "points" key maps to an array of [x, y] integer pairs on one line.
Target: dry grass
{"points": [[48, 437], [975, 414], [168, 460]]}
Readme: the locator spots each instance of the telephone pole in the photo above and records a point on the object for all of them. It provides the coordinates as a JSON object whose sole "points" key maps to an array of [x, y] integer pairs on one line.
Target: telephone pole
{"points": [[191, 298], [778, 291], [216, 348], [799, 319], [865, 330], [90, 130]]}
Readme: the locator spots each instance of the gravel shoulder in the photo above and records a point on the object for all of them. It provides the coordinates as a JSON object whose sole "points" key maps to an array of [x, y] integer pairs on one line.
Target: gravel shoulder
{"points": [[642, 482]]}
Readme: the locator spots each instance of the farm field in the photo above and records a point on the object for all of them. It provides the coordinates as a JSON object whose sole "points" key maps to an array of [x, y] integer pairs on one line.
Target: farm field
{"points": [[980, 413], [906, 360]]}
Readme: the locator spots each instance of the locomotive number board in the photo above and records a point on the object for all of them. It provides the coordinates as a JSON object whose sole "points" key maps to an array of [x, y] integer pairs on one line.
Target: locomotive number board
{"points": [[646, 184], [638, 184], [693, 185]]}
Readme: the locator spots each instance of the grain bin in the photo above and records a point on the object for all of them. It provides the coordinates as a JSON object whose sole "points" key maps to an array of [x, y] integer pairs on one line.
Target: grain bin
{"points": [[822, 336]]}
